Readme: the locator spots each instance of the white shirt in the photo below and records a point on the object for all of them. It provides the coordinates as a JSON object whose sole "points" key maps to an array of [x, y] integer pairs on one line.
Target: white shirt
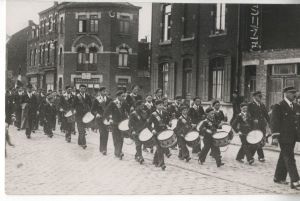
{"points": [[289, 102], [29, 94]]}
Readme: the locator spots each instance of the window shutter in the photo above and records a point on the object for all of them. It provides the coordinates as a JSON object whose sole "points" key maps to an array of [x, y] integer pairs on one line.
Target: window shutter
{"points": [[154, 75], [205, 80], [171, 80], [227, 79]]}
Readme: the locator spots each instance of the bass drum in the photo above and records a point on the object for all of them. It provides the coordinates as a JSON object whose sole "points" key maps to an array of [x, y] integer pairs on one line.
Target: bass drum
{"points": [[123, 125], [192, 138], [221, 139], [167, 138], [146, 137], [256, 138], [70, 116], [88, 118]]}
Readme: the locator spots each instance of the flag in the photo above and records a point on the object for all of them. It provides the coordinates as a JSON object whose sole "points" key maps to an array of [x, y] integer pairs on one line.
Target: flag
{"points": [[19, 79]]}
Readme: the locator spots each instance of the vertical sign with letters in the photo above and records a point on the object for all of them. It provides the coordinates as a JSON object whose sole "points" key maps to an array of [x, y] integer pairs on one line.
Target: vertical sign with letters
{"points": [[255, 28]]}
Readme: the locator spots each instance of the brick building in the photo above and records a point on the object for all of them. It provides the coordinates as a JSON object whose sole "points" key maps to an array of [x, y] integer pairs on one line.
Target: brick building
{"points": [[144, 65], [86, 43], [209, 50]]}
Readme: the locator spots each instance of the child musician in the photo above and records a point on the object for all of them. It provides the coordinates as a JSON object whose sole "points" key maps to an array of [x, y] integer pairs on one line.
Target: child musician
{"points": [[184, 125], [158, 122], [207, 128], [137, 122], [219, 114], [242, 125]]}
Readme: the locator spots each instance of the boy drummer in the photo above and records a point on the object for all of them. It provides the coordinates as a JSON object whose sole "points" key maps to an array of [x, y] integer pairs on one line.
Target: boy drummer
{"points": [[158, 122], [137, 122], [184, 125], [207, 128], [242, 125]]}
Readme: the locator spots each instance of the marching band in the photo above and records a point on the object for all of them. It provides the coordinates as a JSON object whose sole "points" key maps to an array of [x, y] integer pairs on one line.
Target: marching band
{"points": [[151, 122]]}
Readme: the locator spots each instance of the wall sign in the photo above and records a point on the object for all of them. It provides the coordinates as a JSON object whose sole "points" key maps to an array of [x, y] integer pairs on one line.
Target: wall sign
{"points": [[255, 27]]}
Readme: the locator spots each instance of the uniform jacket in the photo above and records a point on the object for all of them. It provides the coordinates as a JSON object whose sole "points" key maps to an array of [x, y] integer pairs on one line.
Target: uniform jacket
{"points": [[197, 114], [67, 103], [50, 113], [243, 123], [159, 122], [132, 99], [260, 114], [208, 128], [184, 125], [137, 122], [118, 111], [284, 121], [82, 105], [174, 110]]}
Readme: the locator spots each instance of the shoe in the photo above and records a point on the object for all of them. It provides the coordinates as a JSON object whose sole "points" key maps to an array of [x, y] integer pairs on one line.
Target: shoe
{"points": [[180, 158], [28, 136], [84, 146], [220, 164], [121, 156], [68, 140], [141, 161], [200, 162], [251, 161], [295, 185], [188, 159], [240, 160], [163, 167], [280, 181], [33, 131], [104, 153], [151, 150], [261, 160], [168, 155]]}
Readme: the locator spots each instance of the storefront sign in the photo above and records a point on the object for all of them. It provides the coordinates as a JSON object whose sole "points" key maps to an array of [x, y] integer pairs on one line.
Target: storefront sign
{"points": [[86, 76], [255, 28]]}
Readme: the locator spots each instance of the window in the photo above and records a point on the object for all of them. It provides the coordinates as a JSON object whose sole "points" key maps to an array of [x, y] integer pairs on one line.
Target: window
{"points": [[36, 57], [44, 26], [124, 24], [61, 28], [43, 55], [55, 52], [50, 24], [166, 21], [82, 24], [93, 55], [219, 15], [33, 33], [33, 57], [185, 21], [149, 63], [48, 53], [94, 23], [165, 71], [122, 83], [187, 77], [30, 55], [60, 56], [81, 55], [284, 69], [123, 57], [40, 55], [217, 78]]}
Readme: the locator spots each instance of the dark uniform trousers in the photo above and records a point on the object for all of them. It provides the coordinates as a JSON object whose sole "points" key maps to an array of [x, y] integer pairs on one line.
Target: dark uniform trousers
{"points": [[117, 139], [68, 127], [245, 149], [103, 131], [81, 132], [215, 151], [182, 147]]}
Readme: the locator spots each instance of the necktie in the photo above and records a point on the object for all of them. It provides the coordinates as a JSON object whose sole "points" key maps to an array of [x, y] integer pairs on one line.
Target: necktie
{"points": [[291, 105]]}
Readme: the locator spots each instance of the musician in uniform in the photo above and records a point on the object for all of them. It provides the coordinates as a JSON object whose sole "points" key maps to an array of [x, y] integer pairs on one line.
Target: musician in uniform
{"points": [[18, 108], [138, 120], [157, 123], [197, 114], [219, 114], [184, 125], [207, 128], [133, 97], [158, 95], [174, 108], [243, 124], [66, 105], [99, 104], [49, 116], [119, 111], [259, 113], [83, 104], [285, 129], [149, 106], [29, 113]]}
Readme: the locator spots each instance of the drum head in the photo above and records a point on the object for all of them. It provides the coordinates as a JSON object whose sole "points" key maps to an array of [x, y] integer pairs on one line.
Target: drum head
{"points": [[220, 135], [254, 137], [123, 126], [226, 128], [191, 136], [88, 117], [165, 135], [69, 113], [145, 135], [174, 123]]}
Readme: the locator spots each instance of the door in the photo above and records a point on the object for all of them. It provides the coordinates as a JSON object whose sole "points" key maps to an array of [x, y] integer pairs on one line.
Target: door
{"points": [[276, 86]]}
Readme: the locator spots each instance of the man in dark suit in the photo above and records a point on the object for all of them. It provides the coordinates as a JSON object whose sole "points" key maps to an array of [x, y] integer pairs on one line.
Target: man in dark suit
{"points": [[29, 105], [67, 104], [284, 126], [119, 111], [83, 104], [197, 114], [259, 113], [18, 108], [99, 104]]}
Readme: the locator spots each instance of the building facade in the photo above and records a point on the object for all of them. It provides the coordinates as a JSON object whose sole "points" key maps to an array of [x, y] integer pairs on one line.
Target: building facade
{"points": [[209, 50], [144, 66], [92, 43]]}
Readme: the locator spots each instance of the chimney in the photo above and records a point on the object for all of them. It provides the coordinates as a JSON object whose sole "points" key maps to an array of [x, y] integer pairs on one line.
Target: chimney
{"points": [[30, 22], [55, 3]]}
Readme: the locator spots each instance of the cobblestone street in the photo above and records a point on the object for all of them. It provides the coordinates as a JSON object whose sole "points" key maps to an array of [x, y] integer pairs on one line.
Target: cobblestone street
{"points": [[51, 166]]}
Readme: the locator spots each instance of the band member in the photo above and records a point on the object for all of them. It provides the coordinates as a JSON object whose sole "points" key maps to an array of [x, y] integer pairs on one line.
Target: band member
{"points": [[9, 117], [149, 106], [236, 102], [99, 104], [242, 125], [66, 105], [158, 95], [137, 122], [29, 106], [83, 104], [133, 97], [259, 113], [284, 128], [158, 122], [197, 114], [174, 108], [49, 116], [184, 125], [18, 108], [118, 110], [207, 128], [219, 114]]}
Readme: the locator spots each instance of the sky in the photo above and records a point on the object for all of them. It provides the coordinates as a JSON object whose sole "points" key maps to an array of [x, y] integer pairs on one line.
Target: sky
{"points": [[19, 12]]}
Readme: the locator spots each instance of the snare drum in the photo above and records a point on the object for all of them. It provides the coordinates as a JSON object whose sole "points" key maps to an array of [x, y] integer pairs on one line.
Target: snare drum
{"points": [[167, 138], [192, 138], [221, 138], [88, 118], [255, 137], [70, 116], [228, 129], [123, 125], [146, 138]]}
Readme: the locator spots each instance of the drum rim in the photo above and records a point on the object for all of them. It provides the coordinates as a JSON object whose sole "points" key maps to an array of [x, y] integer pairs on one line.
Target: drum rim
{"points": [[222, 137], [262, 136], [193, 139], [145, 140], [165, 131]]}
